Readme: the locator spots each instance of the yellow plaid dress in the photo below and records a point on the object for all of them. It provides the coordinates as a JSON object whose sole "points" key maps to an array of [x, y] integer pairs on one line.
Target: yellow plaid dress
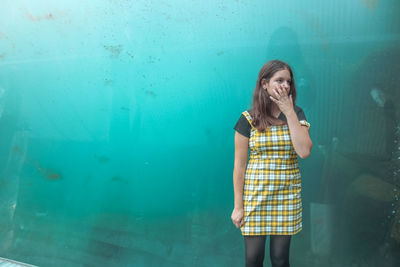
{"points": [[272, 187]]}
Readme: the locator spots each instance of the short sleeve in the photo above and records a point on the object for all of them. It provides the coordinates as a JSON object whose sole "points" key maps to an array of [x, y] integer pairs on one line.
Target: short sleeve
{"points": [[243, 126], [302, 117]]}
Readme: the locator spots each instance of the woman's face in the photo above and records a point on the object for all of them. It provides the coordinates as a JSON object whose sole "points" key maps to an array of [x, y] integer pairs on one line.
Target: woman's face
{"points": [[281, 79]]}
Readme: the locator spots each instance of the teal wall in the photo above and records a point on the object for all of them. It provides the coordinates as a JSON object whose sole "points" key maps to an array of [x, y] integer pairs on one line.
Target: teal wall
{"points": [[116, 117]]}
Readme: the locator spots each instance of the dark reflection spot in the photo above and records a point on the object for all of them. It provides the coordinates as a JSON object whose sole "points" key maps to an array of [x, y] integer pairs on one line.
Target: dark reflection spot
{"points": [[115, 50], [220, 53], [116, 178], [125, 109], [130, 55], [102, 159], [108, 81], [16, 149], [208, 133], [119, 179], [371, 4], [150, 93], [39, 18], [51, 175], [47, 173]]}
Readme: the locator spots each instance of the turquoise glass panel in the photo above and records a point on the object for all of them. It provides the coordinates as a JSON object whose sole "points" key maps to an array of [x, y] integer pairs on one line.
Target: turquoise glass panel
{"points": [[116, 128]]}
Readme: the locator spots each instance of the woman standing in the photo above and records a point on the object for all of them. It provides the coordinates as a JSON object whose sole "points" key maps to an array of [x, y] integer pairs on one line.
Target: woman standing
{"points": [[268, 188]]}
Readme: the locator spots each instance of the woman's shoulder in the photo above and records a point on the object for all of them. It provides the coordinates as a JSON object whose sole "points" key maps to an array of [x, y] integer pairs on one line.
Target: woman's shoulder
{"points": [[244, 125], [301, 116], [299, 111], [248, 116], [246, 113]]}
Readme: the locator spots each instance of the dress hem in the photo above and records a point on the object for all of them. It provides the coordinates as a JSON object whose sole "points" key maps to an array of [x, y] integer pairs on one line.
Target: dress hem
{"points": [[272, 233]]}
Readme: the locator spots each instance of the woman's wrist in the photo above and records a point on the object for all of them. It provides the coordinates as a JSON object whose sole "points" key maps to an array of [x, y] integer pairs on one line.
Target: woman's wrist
{"points": [[290, 113]]}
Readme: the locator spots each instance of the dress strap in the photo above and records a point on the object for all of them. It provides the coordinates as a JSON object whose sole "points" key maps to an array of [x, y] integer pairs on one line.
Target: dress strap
{"points": [[248, 117]]}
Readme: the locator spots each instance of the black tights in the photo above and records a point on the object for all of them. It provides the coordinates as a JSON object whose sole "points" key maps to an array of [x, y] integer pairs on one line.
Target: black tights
{"points": [[279, 250]]}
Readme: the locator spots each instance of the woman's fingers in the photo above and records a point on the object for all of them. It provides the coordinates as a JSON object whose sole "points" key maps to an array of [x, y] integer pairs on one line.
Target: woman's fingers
{"points": [[277, 93], [237, 217], [238, 222], [283, 92], [279, 90], [273, 99]]}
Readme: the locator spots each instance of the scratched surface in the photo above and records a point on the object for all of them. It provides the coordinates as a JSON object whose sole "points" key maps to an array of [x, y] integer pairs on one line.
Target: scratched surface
{"points": [[116, 117]]}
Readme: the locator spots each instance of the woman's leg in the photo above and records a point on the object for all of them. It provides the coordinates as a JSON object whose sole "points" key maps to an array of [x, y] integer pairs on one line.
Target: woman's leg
{"points": [[254, 250], [279, 250]]}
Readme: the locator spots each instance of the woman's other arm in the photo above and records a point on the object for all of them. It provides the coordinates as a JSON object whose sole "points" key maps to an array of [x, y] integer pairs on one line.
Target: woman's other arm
{"points": [[241, 153]]}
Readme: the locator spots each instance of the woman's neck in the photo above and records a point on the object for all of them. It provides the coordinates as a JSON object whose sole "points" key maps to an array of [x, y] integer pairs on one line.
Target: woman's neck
{"points": [[275, 111]]}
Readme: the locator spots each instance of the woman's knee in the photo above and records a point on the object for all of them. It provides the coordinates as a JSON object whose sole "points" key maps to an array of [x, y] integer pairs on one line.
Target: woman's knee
{"points": [[254, 258], [279, 251], [255, 250], [279, 261]]}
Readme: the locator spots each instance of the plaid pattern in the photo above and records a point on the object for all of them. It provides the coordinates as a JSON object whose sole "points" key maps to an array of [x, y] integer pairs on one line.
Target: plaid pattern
{"points": [[272, 188]]}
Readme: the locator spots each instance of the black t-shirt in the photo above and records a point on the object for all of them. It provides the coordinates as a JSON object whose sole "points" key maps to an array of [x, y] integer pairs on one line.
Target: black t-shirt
{"points": [[243, 126]]}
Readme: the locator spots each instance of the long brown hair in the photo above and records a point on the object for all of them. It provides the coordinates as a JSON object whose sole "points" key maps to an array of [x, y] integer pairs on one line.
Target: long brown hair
{"points": [[262, 104]]}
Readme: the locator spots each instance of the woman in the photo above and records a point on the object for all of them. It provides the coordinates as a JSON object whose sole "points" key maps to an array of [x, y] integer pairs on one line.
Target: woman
{"points": [[268, 188]]}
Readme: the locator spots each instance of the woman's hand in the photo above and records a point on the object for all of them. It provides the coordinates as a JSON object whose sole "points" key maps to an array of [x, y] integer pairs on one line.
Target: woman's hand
{"points": [[282, 99], [237, 217]]}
